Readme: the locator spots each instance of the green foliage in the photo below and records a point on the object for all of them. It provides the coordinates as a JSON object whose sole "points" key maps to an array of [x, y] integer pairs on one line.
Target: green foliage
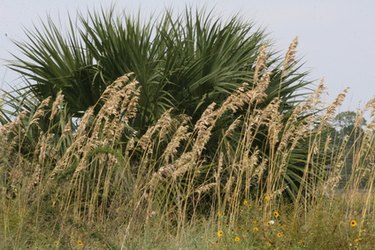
{"points": [[183, 62]]}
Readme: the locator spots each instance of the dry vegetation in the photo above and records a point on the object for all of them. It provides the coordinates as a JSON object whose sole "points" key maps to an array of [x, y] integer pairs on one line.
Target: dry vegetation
{"points": [[99, 184]]}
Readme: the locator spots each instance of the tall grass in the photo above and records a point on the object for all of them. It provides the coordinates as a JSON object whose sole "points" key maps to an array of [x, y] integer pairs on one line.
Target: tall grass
{"points": [[97, 183]]}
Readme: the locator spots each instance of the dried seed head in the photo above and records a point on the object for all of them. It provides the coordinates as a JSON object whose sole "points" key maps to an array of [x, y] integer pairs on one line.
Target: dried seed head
{"points": [[331, 109], [40, 111], [260, 63], [166, 171], [56, 104], [85, 122], [263, 84], [371, 107], [180, 135], [314, 99], [120, 105], [203, 128], [185, 163], [205, 188], [232, 127], [163, 125], [290, 54], [275, 124], [259, 169], [359, 119]]}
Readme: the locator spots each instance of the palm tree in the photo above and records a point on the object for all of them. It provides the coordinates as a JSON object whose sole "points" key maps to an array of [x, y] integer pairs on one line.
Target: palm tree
{"points": [[185, 62]]}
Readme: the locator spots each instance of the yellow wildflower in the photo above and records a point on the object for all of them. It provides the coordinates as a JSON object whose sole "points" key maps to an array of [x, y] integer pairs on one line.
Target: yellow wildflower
{"points": [[246, 203], [353, 223], [357, 240], [220, 233], [255, 229], [280, 234], [220, 214], [276, 214], [80, 243], [267, 198], [237, 239]]}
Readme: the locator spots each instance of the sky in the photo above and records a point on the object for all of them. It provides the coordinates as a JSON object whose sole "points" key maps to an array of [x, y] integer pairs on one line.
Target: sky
{"points": [[336, 37]]}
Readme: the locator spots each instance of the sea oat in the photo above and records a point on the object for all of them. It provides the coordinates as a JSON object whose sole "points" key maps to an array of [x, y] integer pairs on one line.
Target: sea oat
{"points": [[167, 170], [275, 123], [40, 111], [248, 163], [205, 188], [56, 104], [259, 170], [232, 127], [331, 109], [185, 163], [262, 85], [203, 128], [163, 125], [44, 143], [180, 135], [132, 107], [120, 104], [10, 135], [235, 100], [370, 105], [260, 63], [359, 118], [290, 54], [84, 123], [295, 129]]}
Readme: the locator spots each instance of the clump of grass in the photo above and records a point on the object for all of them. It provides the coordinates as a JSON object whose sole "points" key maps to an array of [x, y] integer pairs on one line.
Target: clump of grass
{"points": [[102, 184]]}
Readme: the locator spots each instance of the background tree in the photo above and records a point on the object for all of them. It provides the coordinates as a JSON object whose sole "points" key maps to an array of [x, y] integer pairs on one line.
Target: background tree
{"points": [[348, 134]]}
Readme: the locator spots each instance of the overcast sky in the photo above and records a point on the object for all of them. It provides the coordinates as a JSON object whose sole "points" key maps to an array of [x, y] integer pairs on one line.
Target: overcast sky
{"points": [[336, 37]]}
